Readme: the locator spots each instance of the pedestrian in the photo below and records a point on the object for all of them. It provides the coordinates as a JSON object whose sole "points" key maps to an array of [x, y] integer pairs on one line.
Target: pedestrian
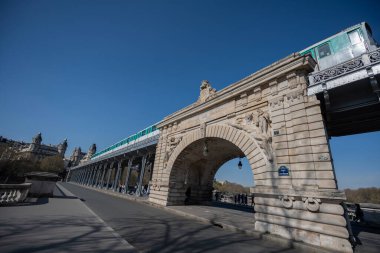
{"points": [[188, 195], [235, 197], [359, 215]]}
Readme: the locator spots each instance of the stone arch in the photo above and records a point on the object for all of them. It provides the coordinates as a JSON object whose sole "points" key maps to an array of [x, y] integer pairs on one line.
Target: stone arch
{"points": [[242, 144]]}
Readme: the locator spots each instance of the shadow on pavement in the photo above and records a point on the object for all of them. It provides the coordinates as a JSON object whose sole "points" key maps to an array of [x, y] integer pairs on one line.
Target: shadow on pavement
{"points": [[161, 235], [249, 209], [357, 228], [64, 197], [61, 234]]}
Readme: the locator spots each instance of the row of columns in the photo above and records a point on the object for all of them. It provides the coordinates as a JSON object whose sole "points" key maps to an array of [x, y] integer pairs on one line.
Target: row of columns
{"points": [[113, 175]]}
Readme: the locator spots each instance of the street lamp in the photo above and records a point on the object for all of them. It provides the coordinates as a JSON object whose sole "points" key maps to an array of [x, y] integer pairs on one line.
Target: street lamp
{"points": [[240, 165], [205, 149]]}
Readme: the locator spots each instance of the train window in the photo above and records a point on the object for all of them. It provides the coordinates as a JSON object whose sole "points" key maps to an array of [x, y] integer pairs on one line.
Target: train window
{"points": [[354, 37], [324, 50], [339, 43]]}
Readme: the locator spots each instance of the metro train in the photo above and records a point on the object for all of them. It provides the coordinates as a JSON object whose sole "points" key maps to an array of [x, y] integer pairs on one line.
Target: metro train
{"points": [[343, 46]]}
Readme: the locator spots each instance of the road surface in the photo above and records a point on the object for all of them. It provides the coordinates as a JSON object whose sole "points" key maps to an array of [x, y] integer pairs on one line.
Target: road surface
{"points": [[151, 229]]}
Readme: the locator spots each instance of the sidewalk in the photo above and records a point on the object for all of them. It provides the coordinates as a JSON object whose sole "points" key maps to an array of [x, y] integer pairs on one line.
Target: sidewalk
{"points": [[58, 224]]}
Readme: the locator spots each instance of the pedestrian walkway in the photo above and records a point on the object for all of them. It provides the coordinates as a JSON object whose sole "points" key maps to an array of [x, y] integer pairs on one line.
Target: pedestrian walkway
{"points": [[62, 223]]}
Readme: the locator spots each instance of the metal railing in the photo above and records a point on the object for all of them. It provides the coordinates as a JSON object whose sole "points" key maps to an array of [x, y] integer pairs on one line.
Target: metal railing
{"points": [[353, 65]]}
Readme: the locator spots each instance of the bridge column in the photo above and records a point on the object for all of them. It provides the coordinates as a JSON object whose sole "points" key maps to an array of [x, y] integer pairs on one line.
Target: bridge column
{"points": [[73, 177], [80, 175], [100, 174], [109, 171], [96, 175], [91, 182], [83, 175], [93, 173], [124, 172], [130, 162], [117, 176], [85, 172], [77, 175], [141, 176], [88, 172], [113, 176], [101, 185]]}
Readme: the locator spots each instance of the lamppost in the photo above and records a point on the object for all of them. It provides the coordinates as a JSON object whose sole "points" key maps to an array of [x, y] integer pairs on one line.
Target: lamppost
{"points": [[240, 165]]}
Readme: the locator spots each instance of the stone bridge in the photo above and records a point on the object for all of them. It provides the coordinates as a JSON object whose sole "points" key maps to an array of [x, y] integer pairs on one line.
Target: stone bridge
{"points": [[269, 118]]}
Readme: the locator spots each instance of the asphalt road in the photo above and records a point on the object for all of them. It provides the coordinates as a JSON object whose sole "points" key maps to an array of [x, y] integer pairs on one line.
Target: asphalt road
{"points": [[368, 238], [151, 229]]}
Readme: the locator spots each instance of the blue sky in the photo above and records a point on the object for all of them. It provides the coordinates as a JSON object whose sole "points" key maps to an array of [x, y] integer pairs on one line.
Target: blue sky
{"points": [[98, 71]]}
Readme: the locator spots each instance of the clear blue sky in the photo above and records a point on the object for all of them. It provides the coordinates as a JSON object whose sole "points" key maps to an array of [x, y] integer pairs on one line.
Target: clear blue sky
{"points": [[98, 71]]}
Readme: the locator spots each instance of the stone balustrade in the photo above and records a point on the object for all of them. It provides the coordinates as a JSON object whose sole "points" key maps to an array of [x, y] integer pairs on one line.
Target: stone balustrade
{"points": [[13, 193]]}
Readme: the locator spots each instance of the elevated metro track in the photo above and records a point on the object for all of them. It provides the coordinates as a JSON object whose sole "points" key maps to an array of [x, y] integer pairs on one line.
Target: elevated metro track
{"points": [[350, 95]]}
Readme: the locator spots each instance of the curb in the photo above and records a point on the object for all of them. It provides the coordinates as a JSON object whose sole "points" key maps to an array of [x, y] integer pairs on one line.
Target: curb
{"points": [[66, 192], [303, 247]]}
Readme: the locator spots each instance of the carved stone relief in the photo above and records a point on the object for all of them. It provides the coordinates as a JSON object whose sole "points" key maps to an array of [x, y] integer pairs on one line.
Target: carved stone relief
{"points": [[295, 96], [287, 201], [276, 103], [258, 125], [156, 184], [311, 204], [207, 92], [172, 143]]}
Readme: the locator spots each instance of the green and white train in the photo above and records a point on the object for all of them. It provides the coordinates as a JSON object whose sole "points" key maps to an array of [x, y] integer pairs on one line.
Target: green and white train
{"points": [[343, 46], [140, 136]]}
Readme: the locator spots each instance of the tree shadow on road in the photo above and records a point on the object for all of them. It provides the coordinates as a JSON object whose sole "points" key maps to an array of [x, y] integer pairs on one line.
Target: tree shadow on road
{"points": [[164, 235], [57, 234]]}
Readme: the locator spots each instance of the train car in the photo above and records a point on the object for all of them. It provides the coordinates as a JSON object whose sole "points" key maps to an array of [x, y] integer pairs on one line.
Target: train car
{"points": [[141, 135], [343, 46], [346, 80]]}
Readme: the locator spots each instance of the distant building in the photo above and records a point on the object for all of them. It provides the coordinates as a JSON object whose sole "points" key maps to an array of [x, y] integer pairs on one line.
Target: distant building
{"points": [[34, 151], [79, 157]]}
